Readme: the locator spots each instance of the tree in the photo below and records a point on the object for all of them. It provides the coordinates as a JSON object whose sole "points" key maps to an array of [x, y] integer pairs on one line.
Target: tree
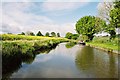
{"points": [[68, 35], [53, 34], [75, 36], [58, 34], [22, 33], [110, 11], [39, 33], [115, 15], [114, 20], [47, 34], [89, 25], [104, 9], [30, 33]]}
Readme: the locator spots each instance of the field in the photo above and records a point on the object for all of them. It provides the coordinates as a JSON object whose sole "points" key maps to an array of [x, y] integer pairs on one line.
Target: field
{"points": [[105, 44], [12, 44]]}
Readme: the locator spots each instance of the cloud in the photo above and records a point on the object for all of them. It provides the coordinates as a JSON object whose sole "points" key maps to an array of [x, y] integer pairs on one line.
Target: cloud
{"points": [[59, 6], [15, 19]]}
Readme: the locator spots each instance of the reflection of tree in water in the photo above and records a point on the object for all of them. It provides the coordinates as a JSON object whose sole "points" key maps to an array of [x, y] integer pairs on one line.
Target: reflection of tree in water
{"points": [[45, 50], [113, 69], [12, 61], [96, 63], [85, 58]]}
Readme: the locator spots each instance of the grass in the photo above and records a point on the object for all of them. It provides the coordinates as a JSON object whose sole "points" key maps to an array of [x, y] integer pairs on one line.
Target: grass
{"points": [[13, 37], [105, 43], [12, 44]]}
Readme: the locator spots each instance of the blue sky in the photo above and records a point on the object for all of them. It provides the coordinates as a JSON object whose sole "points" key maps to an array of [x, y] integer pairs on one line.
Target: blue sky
{"points": [[44, 16]]}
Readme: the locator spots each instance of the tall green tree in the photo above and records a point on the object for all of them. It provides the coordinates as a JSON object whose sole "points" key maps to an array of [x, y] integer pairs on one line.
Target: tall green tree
{"points": [[47, 34], [53, 34], [39, 34], [89, 25], [58, 34]]}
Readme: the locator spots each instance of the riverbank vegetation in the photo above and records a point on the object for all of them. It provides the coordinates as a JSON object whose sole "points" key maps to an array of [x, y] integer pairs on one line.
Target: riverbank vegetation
{"points": [[108, 21], [105, 43], [12, 44]]}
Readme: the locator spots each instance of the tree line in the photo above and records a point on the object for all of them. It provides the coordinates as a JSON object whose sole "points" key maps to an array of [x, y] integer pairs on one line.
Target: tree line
{"points": [[52, 34]]}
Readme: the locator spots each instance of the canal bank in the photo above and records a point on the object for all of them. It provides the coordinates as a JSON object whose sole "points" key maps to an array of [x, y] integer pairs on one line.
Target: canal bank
{"points": [[102, 47]]}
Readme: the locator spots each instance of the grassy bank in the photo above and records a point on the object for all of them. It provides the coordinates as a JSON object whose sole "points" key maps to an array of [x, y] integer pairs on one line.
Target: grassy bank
{"points": [[12, 44], [105, 44]]}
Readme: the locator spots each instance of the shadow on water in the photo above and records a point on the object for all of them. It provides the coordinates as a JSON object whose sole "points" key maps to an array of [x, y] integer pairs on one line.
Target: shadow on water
{"points": [[96, 64], [13, 62]]}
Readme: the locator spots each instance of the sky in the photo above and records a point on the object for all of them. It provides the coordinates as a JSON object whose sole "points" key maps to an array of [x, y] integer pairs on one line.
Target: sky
{"points": [[45, 16]]}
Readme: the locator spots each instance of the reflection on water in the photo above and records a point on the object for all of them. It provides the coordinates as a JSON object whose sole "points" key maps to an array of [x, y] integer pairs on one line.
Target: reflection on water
{"points": [[85, 58], [12, 63], [95, 63], [75, 62]]}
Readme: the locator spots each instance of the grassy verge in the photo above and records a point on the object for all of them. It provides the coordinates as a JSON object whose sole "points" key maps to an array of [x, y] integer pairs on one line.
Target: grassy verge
{"points": [[105, 44], [12, 44]]}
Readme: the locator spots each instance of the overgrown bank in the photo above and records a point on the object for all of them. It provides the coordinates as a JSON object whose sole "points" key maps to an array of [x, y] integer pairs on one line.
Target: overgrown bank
{"points": [[105, 44], [12, 44]]}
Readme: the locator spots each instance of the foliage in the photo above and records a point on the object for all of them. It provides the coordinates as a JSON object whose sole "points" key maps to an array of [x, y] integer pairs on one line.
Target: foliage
{"points": [[22, 33], [47, 34], [30, 33], [39, 33], [83, 38], [114, 21], [53, 34], [29, 46], [68, 35], [70, 44], [58, 34], [75, 36], [89, 25], [105, 43], [71, 36], [115, 15]]}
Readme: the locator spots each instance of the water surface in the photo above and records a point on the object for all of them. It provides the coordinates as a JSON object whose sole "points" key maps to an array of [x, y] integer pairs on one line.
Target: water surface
{"points": [[62, 62]]}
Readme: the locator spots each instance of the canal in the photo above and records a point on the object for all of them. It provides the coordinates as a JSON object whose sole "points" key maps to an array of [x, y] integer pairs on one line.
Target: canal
{"points": [[63, 62]]}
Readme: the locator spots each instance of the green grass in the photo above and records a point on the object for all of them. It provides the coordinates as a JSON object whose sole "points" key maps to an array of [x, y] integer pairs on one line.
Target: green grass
{"points": [[13, 37], [12, 44], [105, 43]]}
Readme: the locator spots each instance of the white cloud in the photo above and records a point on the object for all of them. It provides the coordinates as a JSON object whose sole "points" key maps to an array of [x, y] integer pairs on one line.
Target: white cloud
{"points": [[16, 20], [57, 6]]}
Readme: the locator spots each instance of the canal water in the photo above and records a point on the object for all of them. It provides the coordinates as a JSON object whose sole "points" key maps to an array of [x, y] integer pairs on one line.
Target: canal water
{"points": [[64, 62]]}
